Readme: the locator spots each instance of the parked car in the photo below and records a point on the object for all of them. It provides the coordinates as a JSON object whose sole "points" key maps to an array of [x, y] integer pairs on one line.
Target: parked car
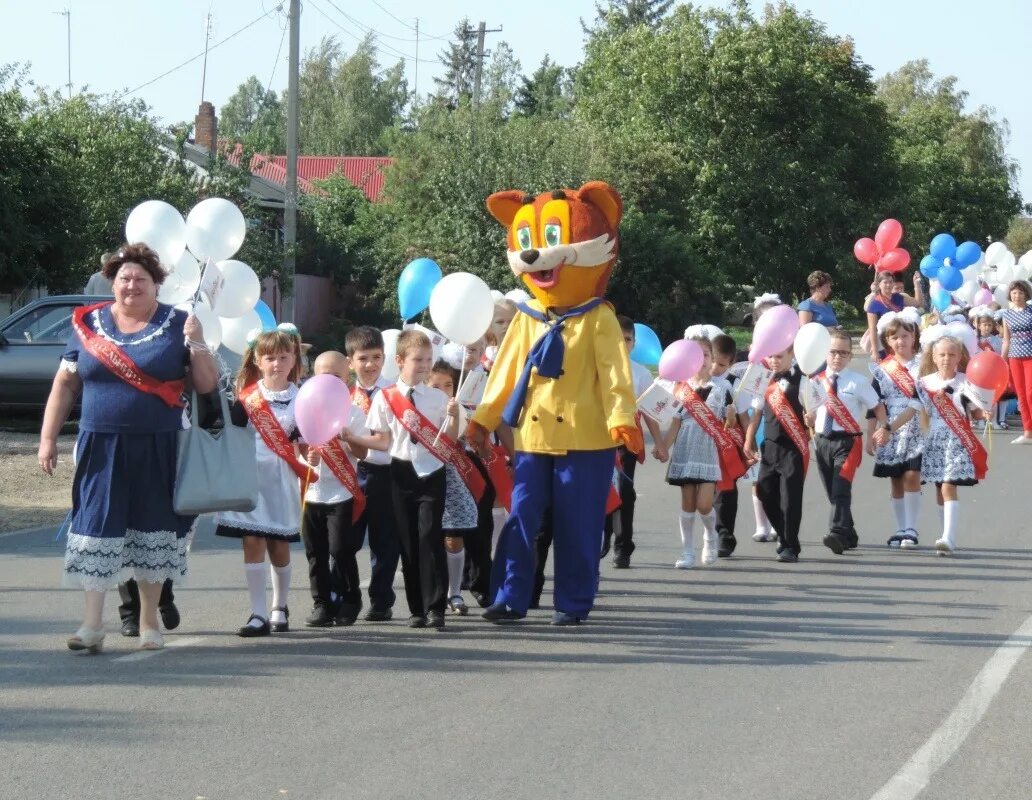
{"points": [[32, 340]]}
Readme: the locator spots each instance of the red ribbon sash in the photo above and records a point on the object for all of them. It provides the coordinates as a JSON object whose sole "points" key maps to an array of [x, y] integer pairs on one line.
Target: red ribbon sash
{"points": [[961, 428], [900, 376], [985, 346], [789, 422], [501, 477], [361, 399], [444, 448], [834, 406], [334, 456], [119, 364], [731, 466], [272, 433]]}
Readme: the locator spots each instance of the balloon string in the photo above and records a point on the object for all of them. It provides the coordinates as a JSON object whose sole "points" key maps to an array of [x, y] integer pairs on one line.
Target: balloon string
{"points": [[304, 491], [462, 372]]}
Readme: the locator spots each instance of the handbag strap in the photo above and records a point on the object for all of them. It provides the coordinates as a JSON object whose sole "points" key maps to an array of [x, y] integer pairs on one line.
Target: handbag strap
{"points": [[223, 401]]}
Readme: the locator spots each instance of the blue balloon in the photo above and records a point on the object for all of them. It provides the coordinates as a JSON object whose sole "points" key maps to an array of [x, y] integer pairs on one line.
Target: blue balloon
{"points": [[930, 266], [967, 254], [941, 299], [950, 278], [265, 315], [647, 347], [943, 246], [417, 281]]}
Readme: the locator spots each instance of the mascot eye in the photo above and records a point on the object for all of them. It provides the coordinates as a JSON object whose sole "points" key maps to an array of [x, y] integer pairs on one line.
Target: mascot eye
{"points": [[523, 239], [553, 234]]}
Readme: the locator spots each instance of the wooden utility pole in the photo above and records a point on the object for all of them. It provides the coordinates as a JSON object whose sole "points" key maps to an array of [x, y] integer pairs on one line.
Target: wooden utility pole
{"points": [[290, 195], [482, 29]]}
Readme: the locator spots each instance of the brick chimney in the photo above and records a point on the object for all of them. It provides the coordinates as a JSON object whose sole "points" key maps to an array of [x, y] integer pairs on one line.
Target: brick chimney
{"points": [[205, 127]]}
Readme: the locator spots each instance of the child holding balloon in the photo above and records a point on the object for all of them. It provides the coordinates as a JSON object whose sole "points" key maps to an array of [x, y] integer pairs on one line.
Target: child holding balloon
{"points": [[266, 387], [990, 340], [884, 300]]}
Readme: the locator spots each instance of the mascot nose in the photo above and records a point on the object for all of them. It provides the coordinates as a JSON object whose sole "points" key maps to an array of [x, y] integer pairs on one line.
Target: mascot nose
{"points": [[529, 256]]}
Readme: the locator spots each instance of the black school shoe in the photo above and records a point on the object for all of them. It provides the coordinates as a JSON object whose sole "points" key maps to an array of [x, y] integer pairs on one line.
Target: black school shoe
{"points": [[282, 627], [378, 615], [321, 617], [786, 556], [727, 545], [435, 619], [130, 628], [834, 543], [251, 631], [417, 621], [622, 561], [169, 616], [347, 615]]}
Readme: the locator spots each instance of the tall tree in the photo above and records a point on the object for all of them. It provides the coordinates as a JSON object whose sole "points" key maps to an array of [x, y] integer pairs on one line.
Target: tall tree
{"points": [[255, 117], [501, 75], [546, 92], [460, 66], [617, 16]]}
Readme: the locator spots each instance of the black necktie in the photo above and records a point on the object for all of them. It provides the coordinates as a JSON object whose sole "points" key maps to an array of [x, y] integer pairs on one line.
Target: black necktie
{"points": [[411, 395], [827, 416]]}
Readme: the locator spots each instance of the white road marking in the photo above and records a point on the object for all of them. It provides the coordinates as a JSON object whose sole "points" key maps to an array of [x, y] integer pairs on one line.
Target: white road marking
{"points": [[916, 774], [139, 655]]}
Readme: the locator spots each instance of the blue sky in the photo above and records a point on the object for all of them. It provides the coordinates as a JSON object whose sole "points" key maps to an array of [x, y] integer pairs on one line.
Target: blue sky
{"points": [[120, 44]]}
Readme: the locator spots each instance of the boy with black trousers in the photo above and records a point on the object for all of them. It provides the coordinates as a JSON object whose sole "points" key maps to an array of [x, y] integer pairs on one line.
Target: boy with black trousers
{"points": [[364, 348], [725, 503]]}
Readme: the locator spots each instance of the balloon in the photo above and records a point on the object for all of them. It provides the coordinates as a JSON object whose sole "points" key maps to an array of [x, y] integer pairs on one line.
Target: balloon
{"points": [[894, 260], [159, 226], [240, 291], [1004, 272], [941, 299], [1026, 260], [889, 235], [210, 323], [968, 253], [415, 285], [173, 291], [812, 342], [1001, 295], [1021, 272], [774, 332], [496, 295], [966, 292], [188, 270], [866, 251], [988, 370], [462, 308], [265, 315], [322, 408], [994, 253], [236, 329], [647, 348], [943, 246], [215, 229], [950, 278], [930, 266], [681, 360], [982, 297], [390, 349]]}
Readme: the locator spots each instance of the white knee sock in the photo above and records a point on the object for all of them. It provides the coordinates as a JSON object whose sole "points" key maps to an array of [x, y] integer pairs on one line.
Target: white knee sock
{"points": [[899, 511], [687, 524], [455, 564], [762, 523], [951, 511], [709, 525], [255, 574], [912, 507], [280, 591]]}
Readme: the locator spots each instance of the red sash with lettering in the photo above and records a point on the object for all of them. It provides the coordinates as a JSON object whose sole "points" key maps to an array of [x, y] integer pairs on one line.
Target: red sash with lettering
{"points": [[789, 421], [834, 406], [333, 455], [961, 428], [983, 344], [731, 466], [444, 449], [361, 399], [119, 364], [272, 433], [498, 472], [900, 376]]}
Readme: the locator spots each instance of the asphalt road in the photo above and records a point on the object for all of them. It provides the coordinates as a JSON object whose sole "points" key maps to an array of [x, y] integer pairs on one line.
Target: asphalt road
{"points": [[823, 679]]}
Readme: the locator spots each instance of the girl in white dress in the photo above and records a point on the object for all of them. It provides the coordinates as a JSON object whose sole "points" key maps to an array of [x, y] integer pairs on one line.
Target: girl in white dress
{"points": [[266, 387]]}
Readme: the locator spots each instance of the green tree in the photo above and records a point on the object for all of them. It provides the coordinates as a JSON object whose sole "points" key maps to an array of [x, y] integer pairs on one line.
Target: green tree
{"points": [[255, 117], [620, 15], [546, 92], [502, 74], [460, 67], [1019, 236]]}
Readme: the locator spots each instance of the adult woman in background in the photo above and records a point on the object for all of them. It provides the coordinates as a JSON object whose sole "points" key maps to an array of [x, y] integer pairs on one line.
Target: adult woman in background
{"points": [[884, 300], [816, 307], [1017, 350], [129, 359]]}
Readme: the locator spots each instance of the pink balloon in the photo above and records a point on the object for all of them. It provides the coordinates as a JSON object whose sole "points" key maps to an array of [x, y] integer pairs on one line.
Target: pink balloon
{"points": [[866, 251], [774, 333], [889, 235], [983, 297], [681, 360], [322, 408]]}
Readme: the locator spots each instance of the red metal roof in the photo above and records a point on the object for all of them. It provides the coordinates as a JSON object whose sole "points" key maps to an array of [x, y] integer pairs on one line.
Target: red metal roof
{"points": [[366, 172]]}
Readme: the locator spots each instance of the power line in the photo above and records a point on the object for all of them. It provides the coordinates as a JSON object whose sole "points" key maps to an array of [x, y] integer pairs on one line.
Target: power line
{"points": [[275, 62], [410, 27], [390, 50], [233, 35]]}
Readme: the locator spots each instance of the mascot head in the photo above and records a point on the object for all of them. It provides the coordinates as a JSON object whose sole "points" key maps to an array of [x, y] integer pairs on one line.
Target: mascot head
{"points": [[562, 243]]}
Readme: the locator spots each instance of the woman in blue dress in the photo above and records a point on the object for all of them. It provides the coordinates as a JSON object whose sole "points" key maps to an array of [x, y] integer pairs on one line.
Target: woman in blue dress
{"points": [[129, 360], [816, 307]]}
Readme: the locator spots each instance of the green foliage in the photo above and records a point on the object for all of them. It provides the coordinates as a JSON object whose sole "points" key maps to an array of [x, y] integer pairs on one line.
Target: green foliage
{"points": [[255, 117], [620, 15], [545, 93], [1019, 236], [460, 66]]}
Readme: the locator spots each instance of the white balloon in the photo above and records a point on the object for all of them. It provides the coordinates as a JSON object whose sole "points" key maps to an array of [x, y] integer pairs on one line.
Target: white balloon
{"points": [[1021, 271], [811, 346], [390, 350], [496, 295], [215, 229], [187, 270], [517, 296], [236, 329], [241, 289], [1007, 260], [173, 291], [1005, 272], [994, 253], [462, 308], [1001, 295], [160, 226], [210, 323], [967, 292], [1026, 260]]}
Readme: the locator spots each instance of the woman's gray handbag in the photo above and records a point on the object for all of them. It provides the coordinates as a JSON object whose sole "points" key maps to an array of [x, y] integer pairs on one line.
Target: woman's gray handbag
{"points": [[216, 470]]}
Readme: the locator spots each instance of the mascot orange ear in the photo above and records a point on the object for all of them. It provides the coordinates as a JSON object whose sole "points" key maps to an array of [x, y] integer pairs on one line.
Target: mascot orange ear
{"points": [[602, 196], [504, 205]]}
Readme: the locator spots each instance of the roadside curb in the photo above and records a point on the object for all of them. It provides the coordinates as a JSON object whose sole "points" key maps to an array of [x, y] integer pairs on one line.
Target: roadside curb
{"points": [[51, 529]]}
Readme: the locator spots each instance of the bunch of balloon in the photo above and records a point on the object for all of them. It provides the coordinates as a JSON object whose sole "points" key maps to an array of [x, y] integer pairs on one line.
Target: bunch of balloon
{"points": [[946, 261], [415, 285], [883, 251]]}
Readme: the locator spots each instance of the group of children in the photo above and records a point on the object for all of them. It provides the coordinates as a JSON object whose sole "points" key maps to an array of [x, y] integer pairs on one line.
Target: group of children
{"points": [[399, 469]]}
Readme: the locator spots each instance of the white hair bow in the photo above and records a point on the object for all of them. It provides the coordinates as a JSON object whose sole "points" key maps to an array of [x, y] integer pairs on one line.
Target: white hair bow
{"points": [[960, 331], [454, 354], [910, 315], [981, 311], [769, 297], [706, 331]]}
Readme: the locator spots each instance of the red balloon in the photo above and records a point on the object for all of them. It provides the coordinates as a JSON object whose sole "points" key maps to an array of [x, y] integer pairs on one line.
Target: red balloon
{"points": [[894, 260], [889, 235], [866, 251], [987, 370]]}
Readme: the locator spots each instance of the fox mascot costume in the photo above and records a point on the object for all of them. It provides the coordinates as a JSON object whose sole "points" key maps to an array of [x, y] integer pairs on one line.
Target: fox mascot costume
{"points": [[562, 382]]}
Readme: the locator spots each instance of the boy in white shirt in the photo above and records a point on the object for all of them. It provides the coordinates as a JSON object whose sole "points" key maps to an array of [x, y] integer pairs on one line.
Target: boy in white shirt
{"points": [[403, 420], [838, 442]]}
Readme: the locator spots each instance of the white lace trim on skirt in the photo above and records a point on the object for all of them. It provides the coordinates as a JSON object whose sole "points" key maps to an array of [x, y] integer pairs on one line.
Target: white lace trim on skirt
{"points": [[97, 564]]}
